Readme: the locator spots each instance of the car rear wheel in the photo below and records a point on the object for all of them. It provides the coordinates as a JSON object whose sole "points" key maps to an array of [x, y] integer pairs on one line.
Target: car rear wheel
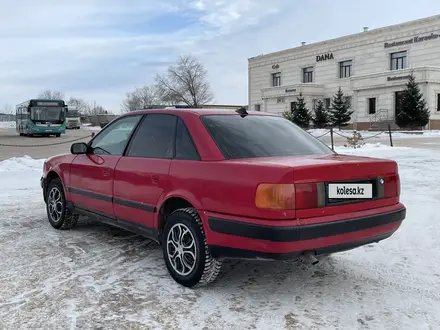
{"points": [[185, 250], [57, 213]]}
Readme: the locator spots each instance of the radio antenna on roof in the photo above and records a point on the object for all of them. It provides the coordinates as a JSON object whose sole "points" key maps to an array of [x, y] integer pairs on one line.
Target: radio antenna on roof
{"points": [[242, 112]]}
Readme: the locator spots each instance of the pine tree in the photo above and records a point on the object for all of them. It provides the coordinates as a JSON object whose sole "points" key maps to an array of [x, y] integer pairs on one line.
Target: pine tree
{"points": [[301, 115], [340, 112], [414, 112], [321, 116]]}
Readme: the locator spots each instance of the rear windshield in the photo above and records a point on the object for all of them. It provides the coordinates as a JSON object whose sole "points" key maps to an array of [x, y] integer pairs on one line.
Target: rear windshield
{"points": [[261, 136]]}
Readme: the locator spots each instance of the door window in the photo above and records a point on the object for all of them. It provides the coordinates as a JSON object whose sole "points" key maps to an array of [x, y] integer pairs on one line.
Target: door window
{"points": [[114, 138], [154, 138], [185, 148]]}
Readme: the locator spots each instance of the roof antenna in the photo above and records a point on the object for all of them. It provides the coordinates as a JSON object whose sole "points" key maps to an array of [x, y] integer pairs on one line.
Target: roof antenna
{"points": [[242, 112]]}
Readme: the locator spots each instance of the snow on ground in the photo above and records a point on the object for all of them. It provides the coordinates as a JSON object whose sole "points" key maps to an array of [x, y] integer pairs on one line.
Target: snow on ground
{"points": [[11, 124], [96, 276], [370, 134], [7, 124], [90, 127]]}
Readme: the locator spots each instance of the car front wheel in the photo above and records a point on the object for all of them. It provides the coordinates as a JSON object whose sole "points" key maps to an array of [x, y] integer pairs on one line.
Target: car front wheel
{"points": [[57, 213], [185, 250]]}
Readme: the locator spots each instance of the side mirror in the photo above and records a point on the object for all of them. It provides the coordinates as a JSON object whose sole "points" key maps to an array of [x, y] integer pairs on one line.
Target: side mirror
{"points": [[78, 148]]}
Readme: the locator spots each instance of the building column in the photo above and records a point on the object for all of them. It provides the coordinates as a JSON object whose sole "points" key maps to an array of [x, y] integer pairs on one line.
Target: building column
{"points": [[355, 109]]}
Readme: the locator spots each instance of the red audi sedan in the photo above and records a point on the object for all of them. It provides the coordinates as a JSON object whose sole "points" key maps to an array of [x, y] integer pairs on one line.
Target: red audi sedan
{"points": [[208, 185]]}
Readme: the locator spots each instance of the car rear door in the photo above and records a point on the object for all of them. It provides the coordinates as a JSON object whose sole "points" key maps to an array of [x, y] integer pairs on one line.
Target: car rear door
{"points": [[141, 175], [91, 174]]}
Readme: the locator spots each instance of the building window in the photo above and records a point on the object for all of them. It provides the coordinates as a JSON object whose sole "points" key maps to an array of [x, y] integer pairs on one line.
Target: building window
{"points": [[308, 75], [327, 103], [348, 100], [399, 60], [257, 107], [438, 102], [371, 105], [276, 79], [292, 106], [345, 69]]}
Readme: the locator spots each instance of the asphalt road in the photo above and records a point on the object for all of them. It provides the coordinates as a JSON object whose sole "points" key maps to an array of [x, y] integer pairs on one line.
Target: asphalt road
{"points": [[39, 147]]}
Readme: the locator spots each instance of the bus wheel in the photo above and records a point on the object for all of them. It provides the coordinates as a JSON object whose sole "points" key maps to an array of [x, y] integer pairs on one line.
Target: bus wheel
{"points": [[58, 135]]}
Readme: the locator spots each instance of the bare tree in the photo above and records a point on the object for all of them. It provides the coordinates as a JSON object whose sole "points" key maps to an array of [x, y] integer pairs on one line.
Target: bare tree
{"points": [[186, 82], [51, 95], [99, 109], [95, 109], [141, 98], [7, 109], [80, 104]]}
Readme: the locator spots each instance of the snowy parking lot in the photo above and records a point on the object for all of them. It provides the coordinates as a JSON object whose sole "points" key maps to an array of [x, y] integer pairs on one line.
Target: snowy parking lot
{"points": [[99, 277]]}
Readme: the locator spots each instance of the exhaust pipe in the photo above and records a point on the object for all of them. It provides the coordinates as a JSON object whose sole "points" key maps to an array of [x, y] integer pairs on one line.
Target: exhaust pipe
{"points": [[309, 257]]}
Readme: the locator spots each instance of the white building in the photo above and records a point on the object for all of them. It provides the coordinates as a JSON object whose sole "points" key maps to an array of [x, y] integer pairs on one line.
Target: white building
{"points": [[371, 67]]}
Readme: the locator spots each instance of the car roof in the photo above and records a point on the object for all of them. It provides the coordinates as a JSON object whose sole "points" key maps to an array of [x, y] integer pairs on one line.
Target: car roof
{"points": [[200, 111]]}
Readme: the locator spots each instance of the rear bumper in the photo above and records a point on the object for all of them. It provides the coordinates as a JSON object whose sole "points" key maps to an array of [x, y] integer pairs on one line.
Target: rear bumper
{"points": [[244, 240]]}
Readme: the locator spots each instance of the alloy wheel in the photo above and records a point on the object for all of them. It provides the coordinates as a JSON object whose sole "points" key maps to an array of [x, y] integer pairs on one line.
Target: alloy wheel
{"points": [[55, 204], [181, 249]]}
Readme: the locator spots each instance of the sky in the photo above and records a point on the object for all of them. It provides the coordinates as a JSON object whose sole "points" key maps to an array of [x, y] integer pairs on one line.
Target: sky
{"points": [[99, 50]]}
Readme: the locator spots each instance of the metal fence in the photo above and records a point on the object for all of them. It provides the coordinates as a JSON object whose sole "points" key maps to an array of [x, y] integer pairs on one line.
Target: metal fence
{"points": [[331, 133]]}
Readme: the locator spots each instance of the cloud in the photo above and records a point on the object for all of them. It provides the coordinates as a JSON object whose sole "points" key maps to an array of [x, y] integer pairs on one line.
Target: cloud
{"points": [[99, 50]]}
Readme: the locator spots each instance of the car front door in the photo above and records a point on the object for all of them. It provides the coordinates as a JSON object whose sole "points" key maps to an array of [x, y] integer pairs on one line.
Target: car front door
{"points": [[141, 175], [91, 174]]}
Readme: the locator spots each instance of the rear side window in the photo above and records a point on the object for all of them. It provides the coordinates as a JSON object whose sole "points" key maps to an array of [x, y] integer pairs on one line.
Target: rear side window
{"points": [[261, 136], [185, 148], [154, 137]]}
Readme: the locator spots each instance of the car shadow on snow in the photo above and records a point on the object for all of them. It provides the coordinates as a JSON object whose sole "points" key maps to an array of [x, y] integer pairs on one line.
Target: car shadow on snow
{"points": [[245, 275]]}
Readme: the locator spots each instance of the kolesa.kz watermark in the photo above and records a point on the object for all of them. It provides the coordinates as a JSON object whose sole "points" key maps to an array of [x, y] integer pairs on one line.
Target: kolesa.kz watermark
{"points": [[350, 190]]}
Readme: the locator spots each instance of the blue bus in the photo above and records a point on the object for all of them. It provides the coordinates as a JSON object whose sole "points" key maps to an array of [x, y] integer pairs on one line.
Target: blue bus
{"points": [[42, 117]]}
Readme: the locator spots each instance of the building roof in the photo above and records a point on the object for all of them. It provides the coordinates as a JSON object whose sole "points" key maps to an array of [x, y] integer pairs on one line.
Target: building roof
{"points": [[359, 35]]}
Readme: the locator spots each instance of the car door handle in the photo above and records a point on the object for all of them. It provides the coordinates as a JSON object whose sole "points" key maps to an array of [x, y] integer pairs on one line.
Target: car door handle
{"points": [[154, 178]]}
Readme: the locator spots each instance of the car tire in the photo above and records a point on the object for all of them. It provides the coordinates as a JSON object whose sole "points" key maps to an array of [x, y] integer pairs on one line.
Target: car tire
{"points": [[60, 217], [198, 271]]}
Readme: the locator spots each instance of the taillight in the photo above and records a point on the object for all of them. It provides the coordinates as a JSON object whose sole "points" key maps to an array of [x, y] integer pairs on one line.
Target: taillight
{"points": [[287, 196], [391, 186], [306, 196], [275, 196]]}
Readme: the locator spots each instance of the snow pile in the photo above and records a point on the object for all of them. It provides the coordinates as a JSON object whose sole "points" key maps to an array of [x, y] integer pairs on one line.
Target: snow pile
{"points": [[92, 128], [376, 135], [7, 124], [21, 164], [367, 147], [96, 275], [19, 177]]}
